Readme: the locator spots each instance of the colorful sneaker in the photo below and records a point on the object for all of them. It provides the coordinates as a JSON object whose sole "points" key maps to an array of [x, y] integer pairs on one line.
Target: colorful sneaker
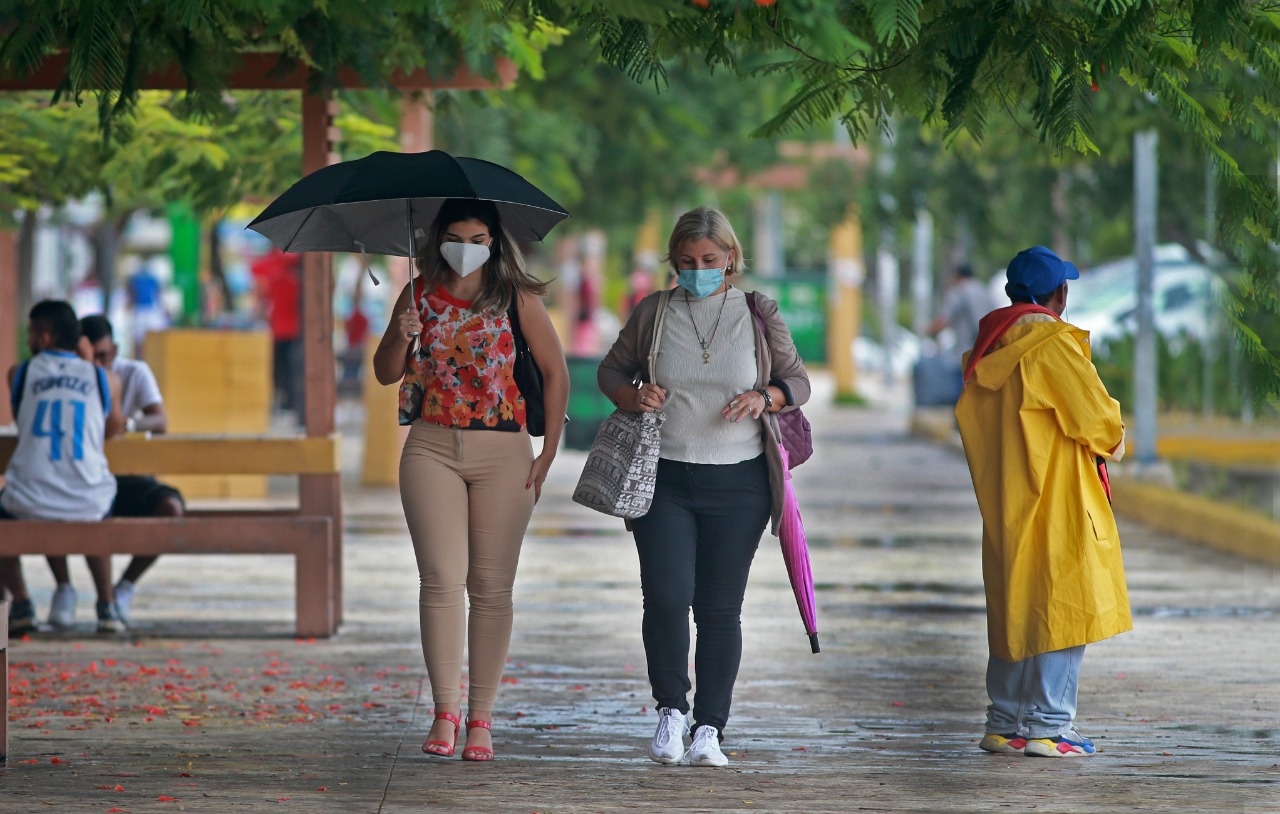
{"points": [[667, 745], [705, 749], [108, 618], [62, 611], [22, 617], [1002, 744], [1069, 744], [124, 598]]}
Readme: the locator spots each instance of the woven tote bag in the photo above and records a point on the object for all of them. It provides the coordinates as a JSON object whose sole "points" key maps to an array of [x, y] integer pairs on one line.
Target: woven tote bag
{"points": [[622, 466]]}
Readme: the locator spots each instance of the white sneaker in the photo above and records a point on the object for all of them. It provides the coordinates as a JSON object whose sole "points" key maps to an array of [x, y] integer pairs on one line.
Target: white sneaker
{"points": [[667, 745], [124, 595], [62, 612], [705, 750]]}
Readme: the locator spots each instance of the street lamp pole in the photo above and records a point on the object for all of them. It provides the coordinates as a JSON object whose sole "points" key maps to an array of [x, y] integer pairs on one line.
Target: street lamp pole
{"points": [[1145, 361]]}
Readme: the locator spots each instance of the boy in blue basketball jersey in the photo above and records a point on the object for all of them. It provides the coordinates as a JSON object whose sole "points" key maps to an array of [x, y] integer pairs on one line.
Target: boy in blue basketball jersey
{"points": [[63, 407]]}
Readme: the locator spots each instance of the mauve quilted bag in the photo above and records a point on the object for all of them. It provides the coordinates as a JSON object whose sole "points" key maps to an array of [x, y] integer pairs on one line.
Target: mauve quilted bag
{"points": [[794, 431]]}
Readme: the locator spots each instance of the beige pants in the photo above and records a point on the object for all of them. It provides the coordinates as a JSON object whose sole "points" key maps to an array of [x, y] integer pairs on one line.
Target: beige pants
{"points": [[467, 508]]}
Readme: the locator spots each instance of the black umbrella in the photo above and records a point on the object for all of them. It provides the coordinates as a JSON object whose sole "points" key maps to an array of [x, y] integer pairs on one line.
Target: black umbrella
{"points": [[377, 204]]}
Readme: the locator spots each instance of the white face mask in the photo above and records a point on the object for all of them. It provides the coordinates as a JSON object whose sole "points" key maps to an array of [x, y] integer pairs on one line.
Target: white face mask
{"points": [[464, 258]]}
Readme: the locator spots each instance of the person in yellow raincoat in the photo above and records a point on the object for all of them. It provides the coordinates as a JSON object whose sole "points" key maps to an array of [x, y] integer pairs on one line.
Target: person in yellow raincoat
{"points": [[1037, 426]]}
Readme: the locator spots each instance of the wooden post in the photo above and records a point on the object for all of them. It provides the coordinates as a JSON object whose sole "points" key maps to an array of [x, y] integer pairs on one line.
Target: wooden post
{"points": [[320, 494], [383, 437], [9, 332], [844, 297]]}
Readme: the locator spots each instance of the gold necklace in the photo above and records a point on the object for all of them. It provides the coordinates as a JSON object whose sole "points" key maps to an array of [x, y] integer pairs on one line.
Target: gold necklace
{"points": [[706, 343]]}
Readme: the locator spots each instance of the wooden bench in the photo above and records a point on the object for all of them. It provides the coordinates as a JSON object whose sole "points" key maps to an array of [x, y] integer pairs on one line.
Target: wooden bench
{"points": [[312, 538]]}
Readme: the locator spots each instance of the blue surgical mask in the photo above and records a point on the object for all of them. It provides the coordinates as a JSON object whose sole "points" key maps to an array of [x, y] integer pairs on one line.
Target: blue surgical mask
{"points": [[700, 282]]}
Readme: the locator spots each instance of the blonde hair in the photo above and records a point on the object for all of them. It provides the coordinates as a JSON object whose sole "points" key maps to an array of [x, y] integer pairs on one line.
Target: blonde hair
{"points": [[705, 222], [503, 272]]}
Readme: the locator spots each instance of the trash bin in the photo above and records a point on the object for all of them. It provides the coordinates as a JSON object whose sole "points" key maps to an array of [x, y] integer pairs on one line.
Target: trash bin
{"points": [[588, 407], [937, 381]]}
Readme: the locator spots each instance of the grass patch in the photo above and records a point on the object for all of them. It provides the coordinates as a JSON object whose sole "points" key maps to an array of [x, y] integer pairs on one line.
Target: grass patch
{"points": [[850, 400]]}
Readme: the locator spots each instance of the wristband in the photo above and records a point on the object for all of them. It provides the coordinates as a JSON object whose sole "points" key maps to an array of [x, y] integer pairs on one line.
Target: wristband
{"points": [[768, 399]]}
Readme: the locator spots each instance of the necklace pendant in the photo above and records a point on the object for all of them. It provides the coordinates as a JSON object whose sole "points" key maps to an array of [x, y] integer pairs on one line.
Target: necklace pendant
{"points": [[706, 358]]}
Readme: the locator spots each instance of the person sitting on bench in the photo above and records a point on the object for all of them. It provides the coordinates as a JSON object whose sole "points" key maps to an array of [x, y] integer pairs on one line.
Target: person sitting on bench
{"points": [[136, 495], [64, 410]]}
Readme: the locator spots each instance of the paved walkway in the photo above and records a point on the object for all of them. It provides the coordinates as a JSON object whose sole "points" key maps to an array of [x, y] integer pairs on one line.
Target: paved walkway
{"points": [[211, 705]]}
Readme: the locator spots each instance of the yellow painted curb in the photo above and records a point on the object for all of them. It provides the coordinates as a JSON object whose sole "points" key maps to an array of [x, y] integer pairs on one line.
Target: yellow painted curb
{"points": [[935, 423], [1199, 519]]}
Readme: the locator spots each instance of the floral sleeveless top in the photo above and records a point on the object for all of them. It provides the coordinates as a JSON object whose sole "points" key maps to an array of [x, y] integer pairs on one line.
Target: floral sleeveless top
{"points": [[463, 374]]}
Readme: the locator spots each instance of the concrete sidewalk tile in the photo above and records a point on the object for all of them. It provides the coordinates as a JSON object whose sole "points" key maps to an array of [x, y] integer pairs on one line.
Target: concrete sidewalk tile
{"points": [[211, 705]]}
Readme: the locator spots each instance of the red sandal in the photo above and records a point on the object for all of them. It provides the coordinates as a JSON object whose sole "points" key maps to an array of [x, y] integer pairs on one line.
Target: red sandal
{"points": [[444, 748], [477, 753]]}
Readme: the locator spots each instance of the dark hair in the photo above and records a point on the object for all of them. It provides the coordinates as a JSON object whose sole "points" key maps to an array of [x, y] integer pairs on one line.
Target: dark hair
{"points": [[58, 318], [1018, 292], [503, 271], [964, 270], [97, 327]]}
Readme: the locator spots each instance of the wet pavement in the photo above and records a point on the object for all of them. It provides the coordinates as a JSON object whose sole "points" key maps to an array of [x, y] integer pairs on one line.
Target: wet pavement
{"points": [[210, 703]]}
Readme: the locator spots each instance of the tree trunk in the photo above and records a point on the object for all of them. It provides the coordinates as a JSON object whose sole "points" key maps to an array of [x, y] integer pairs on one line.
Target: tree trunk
{"points": [[105, 238], [26, 263]]}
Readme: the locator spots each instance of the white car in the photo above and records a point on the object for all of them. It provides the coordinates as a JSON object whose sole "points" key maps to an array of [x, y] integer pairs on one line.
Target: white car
{"points": [[1187, 298]]}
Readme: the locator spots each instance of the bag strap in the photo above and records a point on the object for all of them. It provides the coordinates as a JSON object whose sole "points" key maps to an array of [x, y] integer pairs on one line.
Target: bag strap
{"points": [[659, 319], [19, 381], [513, 315], [754, 308], [770, 418]]}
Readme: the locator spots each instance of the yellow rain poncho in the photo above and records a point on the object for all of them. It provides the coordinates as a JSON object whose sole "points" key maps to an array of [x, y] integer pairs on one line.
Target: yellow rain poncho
{"points": [[1034, 417]]}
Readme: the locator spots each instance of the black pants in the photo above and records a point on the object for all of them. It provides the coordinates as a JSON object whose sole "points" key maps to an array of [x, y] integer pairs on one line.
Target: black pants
{"points": [[696, 545], [286, 373]]}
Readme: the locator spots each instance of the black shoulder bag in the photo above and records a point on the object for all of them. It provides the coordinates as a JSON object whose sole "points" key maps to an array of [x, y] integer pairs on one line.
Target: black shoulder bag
{"points": [[527, 375]]}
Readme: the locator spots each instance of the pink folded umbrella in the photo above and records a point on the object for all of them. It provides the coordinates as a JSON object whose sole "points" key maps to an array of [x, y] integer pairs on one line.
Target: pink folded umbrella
{"points": [[795, 553]]}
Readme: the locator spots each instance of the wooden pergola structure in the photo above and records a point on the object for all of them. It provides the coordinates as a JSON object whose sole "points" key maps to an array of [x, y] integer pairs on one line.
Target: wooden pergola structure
{"points": [[320, 495]]}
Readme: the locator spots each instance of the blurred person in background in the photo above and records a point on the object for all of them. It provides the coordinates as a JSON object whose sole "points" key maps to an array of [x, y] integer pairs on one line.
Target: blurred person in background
{"points": [[279, 283], [965, 303], [146, 299]]}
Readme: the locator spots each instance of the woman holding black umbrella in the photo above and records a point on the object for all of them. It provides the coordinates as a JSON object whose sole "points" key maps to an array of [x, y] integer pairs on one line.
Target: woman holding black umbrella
{"points": [[468, 476], [720, 473]]}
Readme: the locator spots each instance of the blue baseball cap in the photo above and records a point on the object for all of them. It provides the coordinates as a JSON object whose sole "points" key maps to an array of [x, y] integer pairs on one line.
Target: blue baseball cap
{"points": [[1037, 272]]}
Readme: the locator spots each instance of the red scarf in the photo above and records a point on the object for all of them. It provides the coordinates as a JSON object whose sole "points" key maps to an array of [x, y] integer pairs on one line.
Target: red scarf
{"points": [[991, 328], [994, 325]]}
